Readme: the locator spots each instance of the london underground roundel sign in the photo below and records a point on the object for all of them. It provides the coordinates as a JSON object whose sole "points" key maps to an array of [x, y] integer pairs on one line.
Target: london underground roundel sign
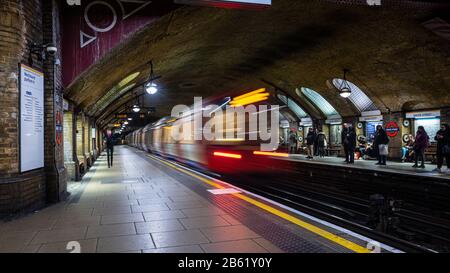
{"points": [[392, 129]]}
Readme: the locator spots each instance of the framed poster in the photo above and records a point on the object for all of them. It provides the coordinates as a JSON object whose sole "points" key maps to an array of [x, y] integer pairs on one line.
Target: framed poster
{"points": [[31, 129]]}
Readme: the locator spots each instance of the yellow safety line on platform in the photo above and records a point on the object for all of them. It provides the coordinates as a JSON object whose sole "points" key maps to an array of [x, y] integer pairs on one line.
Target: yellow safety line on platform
{"points": [[323, 233]]}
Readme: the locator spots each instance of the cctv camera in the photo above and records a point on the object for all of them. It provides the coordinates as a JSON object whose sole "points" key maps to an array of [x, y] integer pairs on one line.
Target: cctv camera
{"points": [[52, 50]]}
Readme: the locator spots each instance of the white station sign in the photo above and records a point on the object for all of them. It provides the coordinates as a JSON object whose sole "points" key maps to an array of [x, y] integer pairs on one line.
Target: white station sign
{"points": [[31, 119], [424, 114]]}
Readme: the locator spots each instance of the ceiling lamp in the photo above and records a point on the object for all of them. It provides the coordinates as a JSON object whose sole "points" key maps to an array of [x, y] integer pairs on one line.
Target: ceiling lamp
{"points": [[136, 108], [344, 88], [126, 123], [151, 88], [130, 119]]}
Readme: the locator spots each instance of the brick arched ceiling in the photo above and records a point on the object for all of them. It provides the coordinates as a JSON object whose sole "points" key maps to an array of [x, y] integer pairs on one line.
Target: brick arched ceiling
{"points": [[199, 51]]}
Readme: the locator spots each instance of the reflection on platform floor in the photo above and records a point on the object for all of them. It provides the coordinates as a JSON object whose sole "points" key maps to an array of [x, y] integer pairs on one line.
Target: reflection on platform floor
{"points": [[140, 206]]}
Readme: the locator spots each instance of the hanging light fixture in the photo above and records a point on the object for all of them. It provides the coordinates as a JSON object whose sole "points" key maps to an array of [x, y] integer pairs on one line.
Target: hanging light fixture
{"points": [[136, 108], [344, 89], [151, 87]]}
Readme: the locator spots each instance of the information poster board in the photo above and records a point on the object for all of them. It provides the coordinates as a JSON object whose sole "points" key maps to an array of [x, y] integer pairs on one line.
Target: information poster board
{"points": [[31, 119]]}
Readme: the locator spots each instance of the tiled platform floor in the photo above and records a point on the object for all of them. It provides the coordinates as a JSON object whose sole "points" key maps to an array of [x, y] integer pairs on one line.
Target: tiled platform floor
{"points": [[133, 207]]}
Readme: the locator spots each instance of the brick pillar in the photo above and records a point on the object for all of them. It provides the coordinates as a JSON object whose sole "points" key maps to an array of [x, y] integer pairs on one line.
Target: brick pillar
{"points": [[87, 141], [69, 161], [54, 151], [445, 115], [80, 142], [395, 143]]}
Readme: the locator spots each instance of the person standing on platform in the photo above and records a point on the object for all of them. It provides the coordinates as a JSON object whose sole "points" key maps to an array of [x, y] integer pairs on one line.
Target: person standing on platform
{"points": [[109, 148], [316, 144], [380, 145], [310, 139], [292, 142], [321, 143], [344, 141], [421, 143], [351, 144], [443, 147]]}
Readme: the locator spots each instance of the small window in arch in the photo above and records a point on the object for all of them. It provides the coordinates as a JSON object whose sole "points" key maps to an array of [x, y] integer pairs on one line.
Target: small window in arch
{"points": [[320, 102], [361, 101], [293, 106]]}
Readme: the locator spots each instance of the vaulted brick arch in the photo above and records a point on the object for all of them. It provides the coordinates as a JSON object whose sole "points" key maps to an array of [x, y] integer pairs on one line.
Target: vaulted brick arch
{"points": [[307, 44]]}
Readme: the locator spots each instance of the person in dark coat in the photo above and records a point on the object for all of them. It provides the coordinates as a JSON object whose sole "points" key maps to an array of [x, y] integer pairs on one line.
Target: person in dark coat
{"points": [[310, 139], [110, 149], [421, 143], [344, 141], [321, 143], [381, 138], [316, 144], [350, 139], [442, 150]]}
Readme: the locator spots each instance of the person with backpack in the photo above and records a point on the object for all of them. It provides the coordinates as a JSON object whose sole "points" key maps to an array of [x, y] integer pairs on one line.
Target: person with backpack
{"points": [[422, 142]]}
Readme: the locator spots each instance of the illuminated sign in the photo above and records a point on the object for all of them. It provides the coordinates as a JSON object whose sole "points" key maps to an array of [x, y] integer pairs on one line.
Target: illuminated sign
{"points": [[371, 118], [428, 114], [121, 116], [228, 3], [392, 129]]}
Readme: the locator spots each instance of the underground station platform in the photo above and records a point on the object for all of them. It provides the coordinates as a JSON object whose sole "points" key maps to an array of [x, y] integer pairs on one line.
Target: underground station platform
{"points": [[147, 204]]}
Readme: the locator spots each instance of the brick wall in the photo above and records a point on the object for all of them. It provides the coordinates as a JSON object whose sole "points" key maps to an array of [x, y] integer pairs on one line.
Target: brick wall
{"points": [[20, 22], [23, 22]]}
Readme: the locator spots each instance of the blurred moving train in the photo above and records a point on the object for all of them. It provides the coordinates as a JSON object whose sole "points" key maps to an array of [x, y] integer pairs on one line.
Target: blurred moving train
{"points": [[221, 155]]}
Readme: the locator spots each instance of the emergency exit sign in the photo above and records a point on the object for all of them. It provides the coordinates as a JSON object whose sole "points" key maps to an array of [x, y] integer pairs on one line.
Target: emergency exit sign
{"points": [[228, 3]]}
